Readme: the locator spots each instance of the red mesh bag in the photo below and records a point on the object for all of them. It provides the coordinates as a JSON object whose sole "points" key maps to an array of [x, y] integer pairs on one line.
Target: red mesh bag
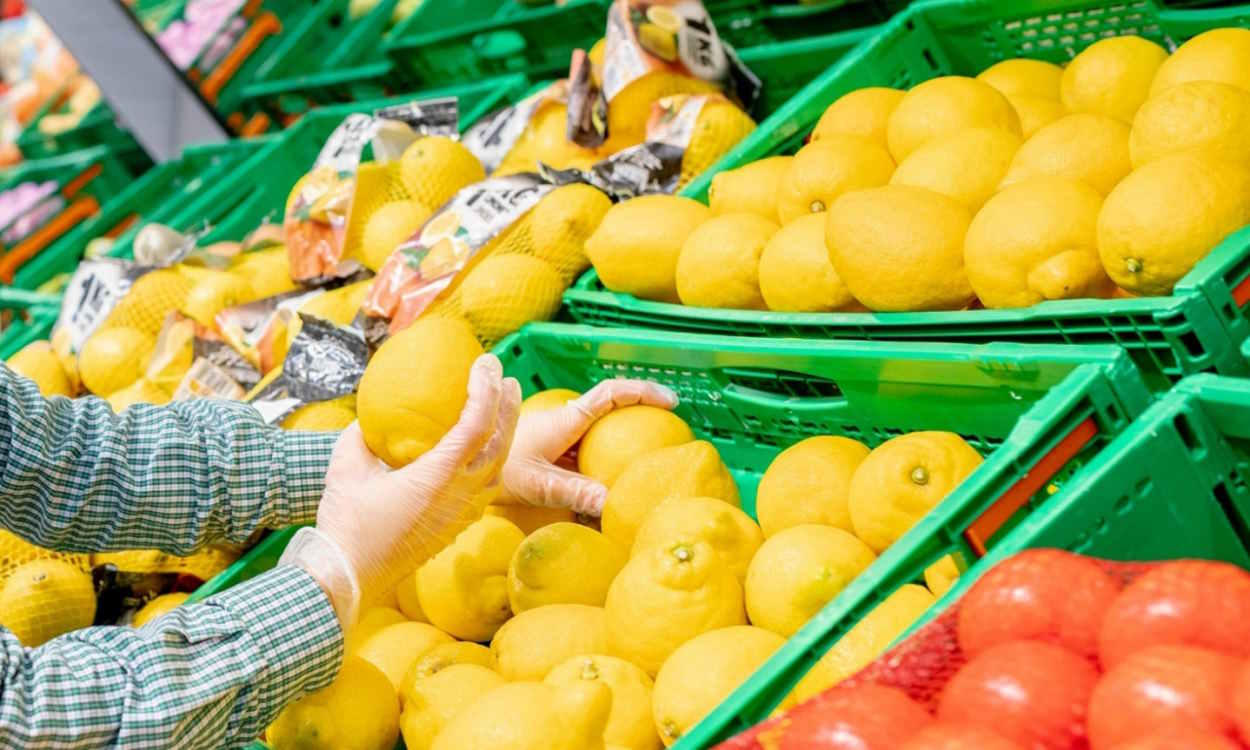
{"points": [[1051, 651]]}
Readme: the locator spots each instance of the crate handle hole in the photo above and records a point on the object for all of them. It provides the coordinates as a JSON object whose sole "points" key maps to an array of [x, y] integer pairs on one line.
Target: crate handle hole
{"points": [[784, 384], [1185, 431]]}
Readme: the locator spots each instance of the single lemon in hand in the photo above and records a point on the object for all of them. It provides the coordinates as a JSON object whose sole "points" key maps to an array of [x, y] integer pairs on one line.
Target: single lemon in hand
{"points": [[863, 112], [531, 716], [1111, 77], [751, 188], [394, 648], [809, 482], [729, 531], [636, 246], [719, 264], [828, 168], [629, 722], [431, 702], [564, 563], [1216, 55], [358, 711], [614, 441], [1021, 76], [966, 165], [795, 272], [45, 598], [943, 105], [530, 644], [1196, 115], [464, 588], [39, 362], [1087, 147]]}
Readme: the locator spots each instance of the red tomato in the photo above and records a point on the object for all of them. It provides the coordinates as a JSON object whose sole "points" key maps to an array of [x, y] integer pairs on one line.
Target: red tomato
{"points": [[1159, 687], [945, 736], [1043, 594], [865, 717], [1187, 602], [1032, 693], [1241, 701], [1178, 737]]}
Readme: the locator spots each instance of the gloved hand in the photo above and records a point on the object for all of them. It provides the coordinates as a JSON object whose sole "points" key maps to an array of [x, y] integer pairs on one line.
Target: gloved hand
{"points": [[531, 477], [375, 524]]}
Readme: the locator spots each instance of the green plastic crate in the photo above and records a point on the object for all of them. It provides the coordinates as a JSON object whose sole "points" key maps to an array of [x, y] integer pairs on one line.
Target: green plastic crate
{"points": [[30, 318], [1198, 328], [1040, 414], [96, 128]]}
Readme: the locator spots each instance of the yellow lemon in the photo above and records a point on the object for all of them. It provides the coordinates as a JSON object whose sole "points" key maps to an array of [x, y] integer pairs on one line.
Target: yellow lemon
{"points": [[1037, 240], [629, 722], [560, 223], [39, 362], [371, 621], [903, 479], [1217, 55], [636, 246], [729, 531], [504, 292], [614, 441], [530, 518], [443, 656], [1036, 112], [751, 188], [42, 599], [824, 170], [267, 272], [142, 391], [414, 388], [1167, 215], [394, 648], [358, 711], [61, 347], [214, 291], [864, 112], [665, 597], [151, 297], [1021, 76], [531, 716], [795, 272], [339, 305], [157, 607], [1087, 147], [719, 264], [941, 575], [408, 599], [944, 105], [966, 165], [530, 644], [113, 358], [798, 571], [1194, 115], [866, 641], [631, 107], [564, 563], [693, 469], [1111, 77], [431, 702], [703, 672], [464, 588], [552, 398], [432, 169], [323, 416], [809, 483], [900, 248], [719, 127], [387, 228]]}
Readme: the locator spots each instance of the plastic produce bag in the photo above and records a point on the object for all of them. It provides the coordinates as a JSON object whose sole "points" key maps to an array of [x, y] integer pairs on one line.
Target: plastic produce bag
{"points": [[324, 362]]}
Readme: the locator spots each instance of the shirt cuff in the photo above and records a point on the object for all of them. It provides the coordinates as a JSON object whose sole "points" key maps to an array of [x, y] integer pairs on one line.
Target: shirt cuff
{"points": [[296, 630], [306, 457]]}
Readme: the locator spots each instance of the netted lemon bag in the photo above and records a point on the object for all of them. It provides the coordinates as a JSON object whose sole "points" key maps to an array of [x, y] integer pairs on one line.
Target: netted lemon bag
{"points": [[15, 552]]}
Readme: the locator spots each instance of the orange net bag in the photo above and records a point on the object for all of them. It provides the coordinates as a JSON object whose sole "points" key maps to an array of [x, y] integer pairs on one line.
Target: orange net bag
{"points": [[1052, 651]]}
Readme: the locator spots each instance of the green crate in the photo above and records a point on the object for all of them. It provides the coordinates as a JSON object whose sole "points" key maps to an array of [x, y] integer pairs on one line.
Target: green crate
{"points": [[31, 316], [1039, 413], [1197, 328], [96, 128]]}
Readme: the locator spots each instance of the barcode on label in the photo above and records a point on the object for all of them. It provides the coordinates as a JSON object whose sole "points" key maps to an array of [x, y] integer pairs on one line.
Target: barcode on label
{"points": [[206, 380]]}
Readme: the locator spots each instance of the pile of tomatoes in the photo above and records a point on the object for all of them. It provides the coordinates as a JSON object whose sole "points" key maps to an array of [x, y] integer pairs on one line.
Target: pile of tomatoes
{"points": [[1052, 651]]}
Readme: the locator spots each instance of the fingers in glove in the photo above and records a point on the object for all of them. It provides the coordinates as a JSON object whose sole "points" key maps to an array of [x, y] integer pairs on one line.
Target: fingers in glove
{"points": [[570, 422], [537, 482], [351, 458], [476, 424], [495, 452]]}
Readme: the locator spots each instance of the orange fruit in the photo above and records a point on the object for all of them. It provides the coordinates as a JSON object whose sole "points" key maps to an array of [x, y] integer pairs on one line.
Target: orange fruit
{"points": [[1241, 701], [1159, 687], [1186, 602], [865, 717], [1031, 693], [946, 736], [1044, 594], [1179, 736]]}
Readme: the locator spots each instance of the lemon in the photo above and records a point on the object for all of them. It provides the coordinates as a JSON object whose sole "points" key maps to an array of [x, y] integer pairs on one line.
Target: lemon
{"points": [[45, 598], [1194, 115], [39, 362], [212, 292], [629, 722], [809, 483], [966, 165], [552, 398], [799, 570], [339, 305], [729, 531], [504, 292], [864, 112], [414, 388], [719, 127], [614, 441], [719, 264], [795, 272], [530, 644], [941, 575], [1036, 112], [1111, 77], [944, 105], [531, 716], [142, 391], [900, 248], [158, 606], [408, 600], [903, 479], [323, 416], [693, 469], [1217, 55], [703, 672], [636, 246], [530, 518], [1167, 215], [631, 107], [1037, 240], [443, 656], [751, 188], [371, 621], [464, 588], [560, 223], [61, 347], [665, 597], [563, 563], [824, 170], [151, 297], [432, 169], [1021, 76], [866, 641], [430, 702], [389, 226], [597, 52], [358, 711], [1086, 147], [266, 272], [394, 648], [113, 358]]}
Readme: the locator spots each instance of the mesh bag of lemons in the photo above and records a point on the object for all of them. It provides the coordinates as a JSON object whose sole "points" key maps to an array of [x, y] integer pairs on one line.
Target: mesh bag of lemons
{"points": [[1110, 176]]}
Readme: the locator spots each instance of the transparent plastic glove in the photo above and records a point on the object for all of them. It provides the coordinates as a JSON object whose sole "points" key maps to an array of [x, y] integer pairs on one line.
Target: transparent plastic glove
{"points": [[376, 524], [531, 476]]}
